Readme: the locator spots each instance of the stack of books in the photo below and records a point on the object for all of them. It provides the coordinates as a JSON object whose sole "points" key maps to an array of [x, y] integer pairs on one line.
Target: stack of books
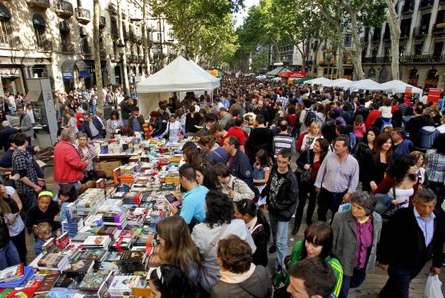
{"points": [[53, 261], [122, 285], [97, 242]]}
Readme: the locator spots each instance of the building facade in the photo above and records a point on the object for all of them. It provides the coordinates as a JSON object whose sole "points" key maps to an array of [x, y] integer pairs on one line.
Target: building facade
{"points": [[54, 38], [422, 60]]}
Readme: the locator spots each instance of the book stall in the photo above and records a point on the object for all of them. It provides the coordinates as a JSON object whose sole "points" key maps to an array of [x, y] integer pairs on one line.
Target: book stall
{"points": [[109, 232]]}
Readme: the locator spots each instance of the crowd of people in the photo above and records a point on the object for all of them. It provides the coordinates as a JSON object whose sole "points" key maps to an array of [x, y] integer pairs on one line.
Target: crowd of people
{"points": [[265, 157]]}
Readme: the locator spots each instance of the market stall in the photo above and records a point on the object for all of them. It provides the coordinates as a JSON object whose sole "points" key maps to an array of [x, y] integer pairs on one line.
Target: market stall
{"points": [[179, 75], [397, 86], [319, 81], [108, 234], [368, 85]]}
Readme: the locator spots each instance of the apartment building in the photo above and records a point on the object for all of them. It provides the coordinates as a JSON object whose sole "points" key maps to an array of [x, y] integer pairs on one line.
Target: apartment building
{"points": [[54, 38]]}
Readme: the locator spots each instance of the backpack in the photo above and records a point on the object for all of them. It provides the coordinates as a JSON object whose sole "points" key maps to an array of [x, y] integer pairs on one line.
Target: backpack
{"points": [[309, 118]]}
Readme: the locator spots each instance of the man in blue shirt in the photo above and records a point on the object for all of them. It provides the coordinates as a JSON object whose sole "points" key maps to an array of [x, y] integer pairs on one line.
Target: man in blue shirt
{"points": [[194, 197], [400, 146]]}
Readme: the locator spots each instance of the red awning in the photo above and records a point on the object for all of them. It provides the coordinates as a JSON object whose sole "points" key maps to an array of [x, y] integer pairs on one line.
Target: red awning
{"points": [[293, 74]]}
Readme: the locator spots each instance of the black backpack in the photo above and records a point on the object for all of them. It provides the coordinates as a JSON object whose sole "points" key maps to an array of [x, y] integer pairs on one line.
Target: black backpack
{"points": [[309, 118]]}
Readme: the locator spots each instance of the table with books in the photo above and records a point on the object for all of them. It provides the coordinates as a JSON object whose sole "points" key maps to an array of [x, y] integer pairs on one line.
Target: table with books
{"points": [[108, 234]]}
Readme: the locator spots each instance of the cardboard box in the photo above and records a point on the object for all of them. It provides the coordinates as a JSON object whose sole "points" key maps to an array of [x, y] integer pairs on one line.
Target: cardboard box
{"points": [[107, 167]]}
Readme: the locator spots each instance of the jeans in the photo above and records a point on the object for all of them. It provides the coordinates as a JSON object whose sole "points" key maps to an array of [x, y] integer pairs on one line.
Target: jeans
{"points": [[38, 243], [354, 281], [397, 285], [280, 231], [328, 201], [8, 256]]}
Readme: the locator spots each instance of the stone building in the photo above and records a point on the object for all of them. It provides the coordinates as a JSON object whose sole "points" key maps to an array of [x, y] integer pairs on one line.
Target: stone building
{"points": [[54, 38]]}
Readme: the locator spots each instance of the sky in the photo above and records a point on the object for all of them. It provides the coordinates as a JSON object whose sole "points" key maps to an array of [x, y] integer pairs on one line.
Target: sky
{"points": [[239, 17]]}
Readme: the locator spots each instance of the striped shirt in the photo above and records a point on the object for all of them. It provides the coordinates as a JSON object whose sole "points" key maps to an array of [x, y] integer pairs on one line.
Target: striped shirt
{"points": [[435, 167], [283, 141]]}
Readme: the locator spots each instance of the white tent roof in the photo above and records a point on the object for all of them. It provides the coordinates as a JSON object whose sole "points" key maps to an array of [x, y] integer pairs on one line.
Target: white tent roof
{"points": [[179, 75], [367, 84], [397, 86], [341, 83], [319, 81]]}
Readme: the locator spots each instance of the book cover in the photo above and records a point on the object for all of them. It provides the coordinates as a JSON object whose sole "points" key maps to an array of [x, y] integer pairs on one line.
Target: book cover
{"points": [[92, 281], [48, 282], [12, 273]]}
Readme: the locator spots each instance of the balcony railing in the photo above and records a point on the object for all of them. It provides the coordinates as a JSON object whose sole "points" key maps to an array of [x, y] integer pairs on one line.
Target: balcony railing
{"points": [[439, 29], [86, 50], [45, 45], [407, 10], [421, 31], [39, 3], [376, 60], [426, 4], [67, 47], [423, 59], [64, 9], [83, 15]]}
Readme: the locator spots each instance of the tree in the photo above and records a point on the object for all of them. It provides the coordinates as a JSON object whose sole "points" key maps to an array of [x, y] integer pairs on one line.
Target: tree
{"points": [[198, 23], [394, 29], [97, 61]]}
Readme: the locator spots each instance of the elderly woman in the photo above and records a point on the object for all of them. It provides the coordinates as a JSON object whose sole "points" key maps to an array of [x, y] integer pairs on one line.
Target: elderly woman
{"points": [[239, 276], [356, 234]]}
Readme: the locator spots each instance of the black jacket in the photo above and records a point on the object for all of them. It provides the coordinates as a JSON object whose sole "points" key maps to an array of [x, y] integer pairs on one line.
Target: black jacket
{"points": [[239, 166], [259, 138], [260, 235], [284, 204], [403, 243]]}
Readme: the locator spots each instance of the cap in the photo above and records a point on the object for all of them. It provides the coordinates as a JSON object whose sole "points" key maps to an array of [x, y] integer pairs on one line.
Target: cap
{"points": [[45, 193]]}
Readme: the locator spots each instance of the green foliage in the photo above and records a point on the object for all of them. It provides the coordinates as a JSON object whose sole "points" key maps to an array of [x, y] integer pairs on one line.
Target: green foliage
{"points": [[203, 28]]}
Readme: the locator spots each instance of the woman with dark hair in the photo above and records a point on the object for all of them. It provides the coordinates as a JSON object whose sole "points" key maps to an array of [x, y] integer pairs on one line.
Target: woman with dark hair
{"points": [[258, 227], [317, 242], [114, 124], [177, 248], [239, 276], [356, 234], [218, 224], [168, 281], [363, 154], [435, 169], [381, 157], [309, 163], [403, 170]]}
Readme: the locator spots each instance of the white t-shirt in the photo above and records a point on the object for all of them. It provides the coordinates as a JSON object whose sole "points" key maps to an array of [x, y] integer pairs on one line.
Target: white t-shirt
{"points": [[15, 221], [402, 196]]}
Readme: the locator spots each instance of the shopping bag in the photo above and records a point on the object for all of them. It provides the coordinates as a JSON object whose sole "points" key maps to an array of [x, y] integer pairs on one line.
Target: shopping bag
{"points": [[433, 288]]}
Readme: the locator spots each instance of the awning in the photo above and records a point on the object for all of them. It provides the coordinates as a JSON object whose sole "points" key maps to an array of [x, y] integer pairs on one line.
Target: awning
{"points": [[38, 21], [33, 95], [5, 14]]}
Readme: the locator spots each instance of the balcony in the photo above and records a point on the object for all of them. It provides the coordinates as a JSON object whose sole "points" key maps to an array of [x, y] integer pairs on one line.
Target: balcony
{"points": [[45, 45], [439, 30], [426, 4], [86, 50], [44, 4], [421, 31], [83, 15], [67, 47], [376, 60], [64, 9], [407, 10], [423, 59]]}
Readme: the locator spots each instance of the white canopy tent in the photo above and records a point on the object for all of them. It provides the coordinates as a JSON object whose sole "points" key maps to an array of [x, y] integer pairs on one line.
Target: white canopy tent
{"points": [[367, 84], [319, 81], [397, 86], [341, 83], [179, 75]]}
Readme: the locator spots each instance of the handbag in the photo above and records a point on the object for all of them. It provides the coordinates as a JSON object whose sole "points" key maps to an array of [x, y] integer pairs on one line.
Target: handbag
{"points": [[433, 288], [305, 175], [392, 209]]}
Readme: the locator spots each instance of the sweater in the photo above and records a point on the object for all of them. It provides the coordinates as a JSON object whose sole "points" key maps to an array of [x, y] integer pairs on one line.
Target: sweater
{"points": [[258, 285], [68, 165]]}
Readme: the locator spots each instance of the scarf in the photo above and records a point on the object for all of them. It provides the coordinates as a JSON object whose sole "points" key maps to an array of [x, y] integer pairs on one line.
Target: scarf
{"points": [[236, 278]]}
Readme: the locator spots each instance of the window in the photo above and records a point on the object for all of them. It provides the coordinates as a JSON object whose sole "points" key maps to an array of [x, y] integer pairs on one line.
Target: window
{"points": [[39, 29], [5, 26]]}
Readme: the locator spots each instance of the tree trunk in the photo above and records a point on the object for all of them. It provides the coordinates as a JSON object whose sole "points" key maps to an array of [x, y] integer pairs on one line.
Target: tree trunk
{"points": [[394, 29], [126, 84], [97, 61], [340, 68], [356, 48], [145, 37]]}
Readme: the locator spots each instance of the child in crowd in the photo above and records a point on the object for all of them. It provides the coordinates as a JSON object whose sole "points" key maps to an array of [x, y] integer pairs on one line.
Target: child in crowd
{"points": [[420, 164], [261, 169], [359, 127], [43, 220]]}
